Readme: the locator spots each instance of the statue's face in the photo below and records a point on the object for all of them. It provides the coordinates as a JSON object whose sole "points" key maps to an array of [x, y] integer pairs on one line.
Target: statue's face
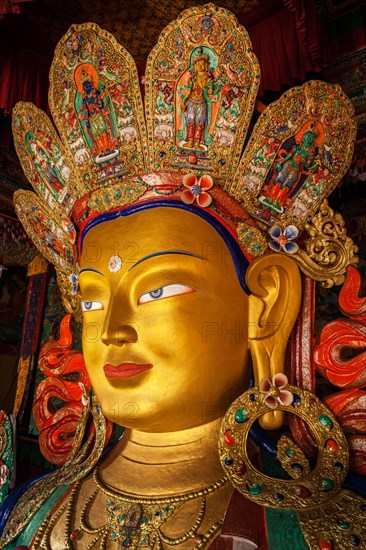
{"points": [[87, 86], [309, 138], [164, 335], [200, 65]]}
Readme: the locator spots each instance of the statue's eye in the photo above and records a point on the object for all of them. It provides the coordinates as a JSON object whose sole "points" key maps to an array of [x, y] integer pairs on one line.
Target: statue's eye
{"points": [[164, 292], [91, 306]]}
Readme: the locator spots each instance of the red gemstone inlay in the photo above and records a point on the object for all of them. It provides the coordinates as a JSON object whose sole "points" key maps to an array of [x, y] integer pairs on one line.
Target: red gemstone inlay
{"points": [[325, 544], [229, 438], [332, 445], [240, 471], [302, 492]]}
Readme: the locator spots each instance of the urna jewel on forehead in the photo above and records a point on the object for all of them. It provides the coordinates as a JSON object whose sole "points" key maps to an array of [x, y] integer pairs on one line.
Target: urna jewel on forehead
{"points": [[185, 146]]}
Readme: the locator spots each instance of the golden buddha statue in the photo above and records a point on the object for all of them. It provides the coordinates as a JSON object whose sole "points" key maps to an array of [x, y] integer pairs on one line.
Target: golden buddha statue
{"points": [[180, 299], [151, 353]]}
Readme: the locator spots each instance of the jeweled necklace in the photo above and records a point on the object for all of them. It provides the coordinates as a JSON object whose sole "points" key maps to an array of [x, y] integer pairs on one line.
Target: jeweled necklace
{"points": [[135, 522]]}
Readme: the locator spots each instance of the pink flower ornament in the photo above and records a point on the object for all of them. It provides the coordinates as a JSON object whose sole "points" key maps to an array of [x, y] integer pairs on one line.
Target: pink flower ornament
{"points": [[197, 190], [274, 393]]}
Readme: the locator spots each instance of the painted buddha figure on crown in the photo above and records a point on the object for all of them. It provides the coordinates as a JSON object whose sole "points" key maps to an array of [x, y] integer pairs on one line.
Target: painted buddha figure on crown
{"points": [[199, 93], [181, 296]]}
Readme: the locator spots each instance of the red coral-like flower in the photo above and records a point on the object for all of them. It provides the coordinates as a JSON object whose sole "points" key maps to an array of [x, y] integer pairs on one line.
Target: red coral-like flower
{"points": [[60, 397], [196, 190], [274, 392], [340, 355]]}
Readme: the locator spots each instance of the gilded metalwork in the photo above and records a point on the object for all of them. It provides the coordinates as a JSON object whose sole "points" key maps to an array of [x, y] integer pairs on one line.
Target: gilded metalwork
{"points": [[290, 455], [22, 375], [139, 26], [51, 231], [312, 489], [47, 163], [341, 523], [96, 104], [251, 239], [38, 265], [136, 521], [71, 301], [117, 195], [299, 150], [327, 251], [201, 82]]}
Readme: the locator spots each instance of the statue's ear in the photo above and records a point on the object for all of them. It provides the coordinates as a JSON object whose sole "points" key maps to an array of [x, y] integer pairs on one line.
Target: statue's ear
{"points": [[275, 284]]}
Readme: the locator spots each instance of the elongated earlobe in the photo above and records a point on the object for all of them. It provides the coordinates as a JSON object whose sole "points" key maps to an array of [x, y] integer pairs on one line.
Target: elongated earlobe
{"points": [[275, 284]]}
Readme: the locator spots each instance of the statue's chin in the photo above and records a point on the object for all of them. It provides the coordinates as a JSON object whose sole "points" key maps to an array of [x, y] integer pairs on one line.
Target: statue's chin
{"points": [[158, 421]]}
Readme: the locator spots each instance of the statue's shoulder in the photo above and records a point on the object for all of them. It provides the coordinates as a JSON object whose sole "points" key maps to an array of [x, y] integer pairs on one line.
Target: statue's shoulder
{"points": [[27, 507], [41, 516], [57, 529]]}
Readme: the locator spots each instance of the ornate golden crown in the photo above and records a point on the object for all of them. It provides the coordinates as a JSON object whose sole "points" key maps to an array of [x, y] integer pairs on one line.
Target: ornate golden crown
{"points": [[186, 145], [200, 56]]}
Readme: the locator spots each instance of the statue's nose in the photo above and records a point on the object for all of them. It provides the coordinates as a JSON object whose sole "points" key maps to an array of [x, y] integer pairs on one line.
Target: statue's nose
{"points": [[119, 333], [119, 327]]}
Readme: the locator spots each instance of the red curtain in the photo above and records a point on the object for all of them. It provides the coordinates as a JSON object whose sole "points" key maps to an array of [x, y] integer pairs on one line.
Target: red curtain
{"points": [[288, 38], [23, 75], [289, 44], [10, 6]]}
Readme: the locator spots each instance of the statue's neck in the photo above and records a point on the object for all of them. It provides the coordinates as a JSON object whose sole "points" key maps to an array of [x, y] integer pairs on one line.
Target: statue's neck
{"points": [[158, 464]]}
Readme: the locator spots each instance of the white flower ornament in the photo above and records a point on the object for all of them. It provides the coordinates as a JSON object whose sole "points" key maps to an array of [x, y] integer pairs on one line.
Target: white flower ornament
{"points": [[282, 240], [74, 280]]}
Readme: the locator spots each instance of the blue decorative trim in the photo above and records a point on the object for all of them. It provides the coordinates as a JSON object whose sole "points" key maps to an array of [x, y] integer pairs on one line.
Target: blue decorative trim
{"points": [[356, 482], [262, 439], [240, 261]]}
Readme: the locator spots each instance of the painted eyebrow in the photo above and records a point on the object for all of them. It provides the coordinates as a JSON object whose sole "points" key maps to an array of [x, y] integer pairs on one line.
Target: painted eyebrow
{"points": [[91, 269], [163, 253]]}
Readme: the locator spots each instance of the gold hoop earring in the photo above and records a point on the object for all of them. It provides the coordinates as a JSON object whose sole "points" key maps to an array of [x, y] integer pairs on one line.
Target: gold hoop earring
{"points": [[330, 517], [317, 486]]}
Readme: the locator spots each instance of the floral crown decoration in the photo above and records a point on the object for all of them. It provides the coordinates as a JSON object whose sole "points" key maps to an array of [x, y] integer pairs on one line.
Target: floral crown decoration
{"points": [[186, 145]]}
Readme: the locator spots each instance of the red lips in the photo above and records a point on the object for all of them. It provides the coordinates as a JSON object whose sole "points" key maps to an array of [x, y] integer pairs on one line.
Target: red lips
{"points": [[124, 370]]}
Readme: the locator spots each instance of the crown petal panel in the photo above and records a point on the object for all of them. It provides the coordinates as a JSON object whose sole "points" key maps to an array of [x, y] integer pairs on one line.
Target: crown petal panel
{"points": [[45, 161], [201, 84], [96, 103], [51, 231], [300, 149]]}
